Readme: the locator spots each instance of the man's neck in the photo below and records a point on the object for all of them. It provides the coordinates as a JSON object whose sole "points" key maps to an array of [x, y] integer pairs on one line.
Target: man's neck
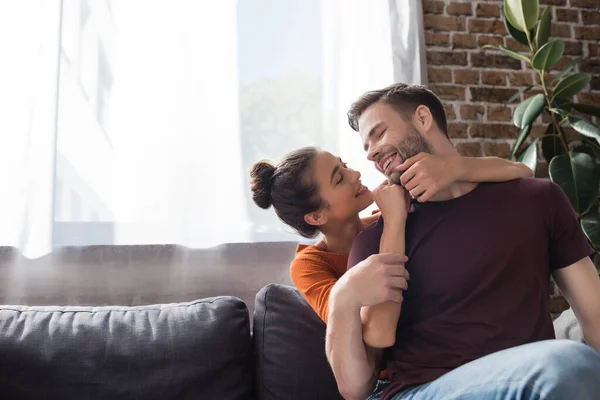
{"points": [[442, 147]]}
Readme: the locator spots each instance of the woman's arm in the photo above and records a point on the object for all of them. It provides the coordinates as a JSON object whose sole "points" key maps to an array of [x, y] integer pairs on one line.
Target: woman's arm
{"points": [[425, 175], [380, 321], [491, 169]]}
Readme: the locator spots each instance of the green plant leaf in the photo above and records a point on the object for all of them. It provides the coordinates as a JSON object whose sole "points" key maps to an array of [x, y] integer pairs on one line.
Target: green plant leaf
{"points": [[578, 175], [522, 14], [571, 85], [559, 111], [543, 30], [516, 95], [567, 69], [529, 110], [520, 140], [551, 144], [584, 126], [548, 55], [587, 109], [508, 52], [529, 156], [590, 223], [519, 36]]}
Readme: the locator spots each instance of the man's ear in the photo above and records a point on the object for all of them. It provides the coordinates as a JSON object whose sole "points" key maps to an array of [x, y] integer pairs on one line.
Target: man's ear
{"points": [[423, 118], [315, 218]]}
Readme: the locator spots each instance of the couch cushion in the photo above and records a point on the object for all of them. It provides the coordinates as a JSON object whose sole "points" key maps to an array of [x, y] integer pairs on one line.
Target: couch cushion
{"points": [[289, 348], [196, 350]]}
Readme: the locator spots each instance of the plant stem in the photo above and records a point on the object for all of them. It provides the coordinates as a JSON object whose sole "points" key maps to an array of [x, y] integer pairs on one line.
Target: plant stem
{"points": [[529, 41], [559, 131]]}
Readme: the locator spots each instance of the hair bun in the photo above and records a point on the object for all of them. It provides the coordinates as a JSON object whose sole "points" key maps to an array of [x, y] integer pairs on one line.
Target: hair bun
{"points": [[261, 175]]}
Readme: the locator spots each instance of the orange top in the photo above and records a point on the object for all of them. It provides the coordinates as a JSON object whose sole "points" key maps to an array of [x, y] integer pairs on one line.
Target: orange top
{"points": [[314, 272]]}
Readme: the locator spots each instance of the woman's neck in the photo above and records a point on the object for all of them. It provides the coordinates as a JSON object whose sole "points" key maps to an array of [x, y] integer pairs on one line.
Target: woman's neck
{"points": [[338, 238]]}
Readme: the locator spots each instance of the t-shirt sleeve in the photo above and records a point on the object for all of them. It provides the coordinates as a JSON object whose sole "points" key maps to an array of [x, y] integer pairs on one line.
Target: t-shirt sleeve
{"points": [[568, 243], [314, 281], [366, 243]]}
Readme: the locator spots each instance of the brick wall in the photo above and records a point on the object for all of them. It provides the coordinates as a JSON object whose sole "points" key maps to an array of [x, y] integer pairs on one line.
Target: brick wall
{"points": [[475, 84]]}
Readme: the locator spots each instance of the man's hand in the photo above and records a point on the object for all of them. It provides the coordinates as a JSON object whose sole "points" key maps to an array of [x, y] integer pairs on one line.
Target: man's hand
{"points": [[393, 201], [426, 175], [379, 278]]}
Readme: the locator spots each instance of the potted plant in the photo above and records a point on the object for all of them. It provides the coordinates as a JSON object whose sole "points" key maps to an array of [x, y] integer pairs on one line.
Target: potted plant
{"points": [[573, 165]]}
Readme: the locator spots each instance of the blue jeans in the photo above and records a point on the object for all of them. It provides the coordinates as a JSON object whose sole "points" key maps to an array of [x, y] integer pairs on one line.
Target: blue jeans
{"points": [[550, 370]]}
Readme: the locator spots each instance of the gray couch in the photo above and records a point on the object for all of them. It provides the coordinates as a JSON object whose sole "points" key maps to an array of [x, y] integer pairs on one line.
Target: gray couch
{"points": [[266, 343]]}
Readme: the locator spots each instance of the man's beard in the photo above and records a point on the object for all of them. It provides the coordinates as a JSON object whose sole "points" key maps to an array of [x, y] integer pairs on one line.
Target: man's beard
{"points": [[412, 145]]}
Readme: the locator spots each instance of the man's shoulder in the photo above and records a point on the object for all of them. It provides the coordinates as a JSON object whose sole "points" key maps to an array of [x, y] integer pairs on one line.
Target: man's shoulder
{"points": [[520, 188], [366, 243]]}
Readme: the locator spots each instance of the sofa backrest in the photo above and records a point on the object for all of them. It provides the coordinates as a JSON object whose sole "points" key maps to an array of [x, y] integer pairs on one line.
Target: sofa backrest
{"points": [[289, 348], [196, 350]]}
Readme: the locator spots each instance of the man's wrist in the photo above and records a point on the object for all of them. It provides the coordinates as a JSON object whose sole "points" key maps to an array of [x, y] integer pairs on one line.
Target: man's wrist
{"points": [[460, 166]]}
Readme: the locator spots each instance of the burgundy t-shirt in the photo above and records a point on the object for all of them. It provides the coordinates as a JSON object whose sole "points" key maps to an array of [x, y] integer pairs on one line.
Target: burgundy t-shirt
{"points": [[479, 275]]}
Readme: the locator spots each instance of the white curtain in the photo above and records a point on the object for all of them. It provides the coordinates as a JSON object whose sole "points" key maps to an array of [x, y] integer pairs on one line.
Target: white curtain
{"points": [[136, 122]]}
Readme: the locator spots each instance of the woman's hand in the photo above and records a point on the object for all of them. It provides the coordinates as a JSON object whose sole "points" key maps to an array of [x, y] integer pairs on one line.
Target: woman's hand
{"points": [[393, 201], [425, 175]]}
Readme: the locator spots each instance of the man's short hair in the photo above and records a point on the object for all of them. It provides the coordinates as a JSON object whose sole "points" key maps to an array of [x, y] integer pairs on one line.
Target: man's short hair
{"points": [[404, 99]]}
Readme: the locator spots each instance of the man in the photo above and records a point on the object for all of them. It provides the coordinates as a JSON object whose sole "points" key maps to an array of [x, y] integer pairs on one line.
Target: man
{"points": [[475, 321]]}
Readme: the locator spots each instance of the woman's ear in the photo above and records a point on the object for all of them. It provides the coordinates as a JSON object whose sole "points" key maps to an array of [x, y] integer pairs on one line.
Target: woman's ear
{"points": [[423, 118], [315, 218]]}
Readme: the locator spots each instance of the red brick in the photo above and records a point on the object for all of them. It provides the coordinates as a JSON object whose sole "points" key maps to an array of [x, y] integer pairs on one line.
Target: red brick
{"points": [[494, 131], [471, 113], [561, 30], [444, 23], [443, 75], [437, 39], [595, 83], [589, 98], [566, 15], [502, 114], [487, 10], [563, 62], [491, 40], [585, 3], [460, 9], [450, 114], [449, 92], [520, 78], [593, 50], [491, 95], [512, 44], [542, 170], [466, 76], [457, 130], [590, 66], [469, 149], [495, 149], [446, 58], [493, 26], [493, 78], [587, 33], [531, 93], [465, 41], [493, 60], [573, 48], [433, 7], [554, 2]]}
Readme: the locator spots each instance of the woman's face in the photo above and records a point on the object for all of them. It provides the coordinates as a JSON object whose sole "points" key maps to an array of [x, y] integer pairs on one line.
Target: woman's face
{"points": [[340, 188]]}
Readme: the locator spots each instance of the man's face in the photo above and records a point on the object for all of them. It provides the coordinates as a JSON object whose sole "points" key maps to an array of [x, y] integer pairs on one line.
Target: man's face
{"points": [[388, 138]]}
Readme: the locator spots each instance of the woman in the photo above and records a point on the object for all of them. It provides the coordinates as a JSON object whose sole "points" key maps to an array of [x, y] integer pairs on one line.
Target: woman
{"points": [[315, 192]]}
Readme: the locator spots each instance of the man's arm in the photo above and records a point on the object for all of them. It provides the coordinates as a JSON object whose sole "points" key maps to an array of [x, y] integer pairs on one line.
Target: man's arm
{"points": [[580, 285], [380, 321], [377, 279], [353, 363]]}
